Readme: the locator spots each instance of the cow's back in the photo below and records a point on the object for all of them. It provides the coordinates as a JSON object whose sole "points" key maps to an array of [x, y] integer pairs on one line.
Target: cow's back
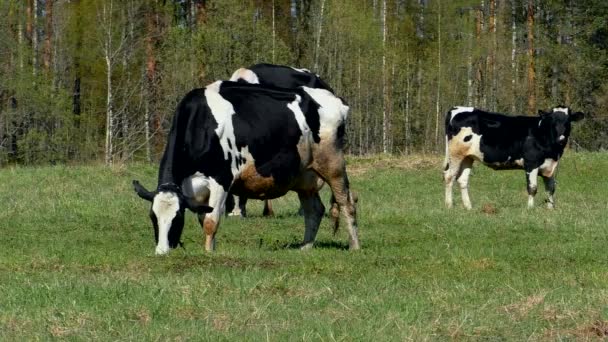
{"points": [[287, 77]]}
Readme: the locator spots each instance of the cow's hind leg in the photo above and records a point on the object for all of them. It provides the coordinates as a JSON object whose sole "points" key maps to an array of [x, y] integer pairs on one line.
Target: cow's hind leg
{"points": [[313, 213], [343, 197], [334, 213], [211, 221], [550, 189], [268, 208], [463, 181]]}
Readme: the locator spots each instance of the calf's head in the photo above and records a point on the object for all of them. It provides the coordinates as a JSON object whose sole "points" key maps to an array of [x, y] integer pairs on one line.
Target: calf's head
{"points": [[167, 213], [555, 125]]}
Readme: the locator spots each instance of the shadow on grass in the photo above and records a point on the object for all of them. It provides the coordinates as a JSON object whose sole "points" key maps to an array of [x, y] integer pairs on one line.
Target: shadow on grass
{"points": [[318, 245]]}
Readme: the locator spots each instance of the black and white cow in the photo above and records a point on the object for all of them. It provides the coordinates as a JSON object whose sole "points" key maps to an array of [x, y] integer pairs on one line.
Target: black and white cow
{"points": [[532, 143], [253, 141], [280, 76]]}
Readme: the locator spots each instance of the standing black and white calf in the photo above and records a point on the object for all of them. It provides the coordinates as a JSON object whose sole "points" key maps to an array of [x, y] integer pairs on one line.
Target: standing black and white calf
{"points": [[253, 141], [534, 144], [280, 76]]}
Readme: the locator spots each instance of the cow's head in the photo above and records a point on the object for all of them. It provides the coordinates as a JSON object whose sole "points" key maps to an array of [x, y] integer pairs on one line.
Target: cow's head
{"points": [[555, 125], [167, 213]]}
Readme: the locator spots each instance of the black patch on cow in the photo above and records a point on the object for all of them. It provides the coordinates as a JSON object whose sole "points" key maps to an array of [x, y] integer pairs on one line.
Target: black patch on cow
{"points": [[286, 77], [265, 124], [468, 137], [341, 136], [229, 144]]}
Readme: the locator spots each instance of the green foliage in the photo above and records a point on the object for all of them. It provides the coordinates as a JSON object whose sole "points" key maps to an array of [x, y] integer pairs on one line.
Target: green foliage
{"points": [[189, 46]]}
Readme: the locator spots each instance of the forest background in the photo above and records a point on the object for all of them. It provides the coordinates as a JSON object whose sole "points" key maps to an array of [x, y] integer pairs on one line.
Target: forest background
{"points": [[90, 80]]}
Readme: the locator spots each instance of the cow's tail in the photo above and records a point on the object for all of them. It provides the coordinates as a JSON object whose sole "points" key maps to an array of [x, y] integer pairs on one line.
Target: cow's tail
{"points": [[446, 161]]}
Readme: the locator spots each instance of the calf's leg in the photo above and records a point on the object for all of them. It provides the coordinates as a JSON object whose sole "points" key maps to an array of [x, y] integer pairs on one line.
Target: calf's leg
{"points": [[313, 213]]}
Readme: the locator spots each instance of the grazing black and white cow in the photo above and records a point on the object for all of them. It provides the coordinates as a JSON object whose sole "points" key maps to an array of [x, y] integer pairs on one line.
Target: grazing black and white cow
{"points": [[532, 143], [254, 141], [280, 76]]}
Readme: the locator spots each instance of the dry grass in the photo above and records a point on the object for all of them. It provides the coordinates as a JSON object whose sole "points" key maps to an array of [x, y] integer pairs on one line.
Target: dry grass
{"points": [[365, 164]]}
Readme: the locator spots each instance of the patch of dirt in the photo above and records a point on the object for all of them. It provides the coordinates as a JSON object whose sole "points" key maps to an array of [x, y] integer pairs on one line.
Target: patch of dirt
{"points": [[489, 209], [522, 308]]}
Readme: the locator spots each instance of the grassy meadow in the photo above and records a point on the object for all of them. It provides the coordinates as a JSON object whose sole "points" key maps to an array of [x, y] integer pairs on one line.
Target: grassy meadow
{"points": [[77, 261]]}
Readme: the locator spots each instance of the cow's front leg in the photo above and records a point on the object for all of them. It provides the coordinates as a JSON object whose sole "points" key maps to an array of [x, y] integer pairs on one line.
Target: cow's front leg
{"points": [[550, 189], [211, 221], [531, 180], [313, 213]]}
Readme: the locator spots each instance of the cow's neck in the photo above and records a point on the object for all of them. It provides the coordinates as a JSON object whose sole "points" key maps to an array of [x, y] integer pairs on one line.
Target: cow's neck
{"points": [[171, 167]]}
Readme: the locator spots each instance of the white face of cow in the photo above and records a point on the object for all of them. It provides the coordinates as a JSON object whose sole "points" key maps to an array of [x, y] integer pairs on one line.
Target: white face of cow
{"points": [[167, 213], [167, 216]]}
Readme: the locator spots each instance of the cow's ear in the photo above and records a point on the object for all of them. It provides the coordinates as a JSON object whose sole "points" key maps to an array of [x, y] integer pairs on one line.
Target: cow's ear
{"points": [[142, 192], [576, 116]]}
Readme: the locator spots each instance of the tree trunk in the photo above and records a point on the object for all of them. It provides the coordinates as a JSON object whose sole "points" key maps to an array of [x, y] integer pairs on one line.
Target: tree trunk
{"points": [[48, 49], [531, 66], [438, 97], [273, 33], [384, 85], [150, 81], [319, 31], [492, 59], [513, 55], [107, 21], [479, 76], [35, 38], [201, 12]]}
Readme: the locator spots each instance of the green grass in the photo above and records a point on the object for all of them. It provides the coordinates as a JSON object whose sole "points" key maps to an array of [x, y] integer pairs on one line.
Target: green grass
{"points": [[77, 261]]}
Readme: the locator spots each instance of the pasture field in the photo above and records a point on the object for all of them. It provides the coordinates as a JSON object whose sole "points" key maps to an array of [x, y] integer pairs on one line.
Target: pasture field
{"points": [[77, 261]]}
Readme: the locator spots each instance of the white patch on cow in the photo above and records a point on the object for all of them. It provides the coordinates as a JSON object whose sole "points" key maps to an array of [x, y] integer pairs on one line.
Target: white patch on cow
{"points": [[217, 200], [245, 75], [215, 86], [222, 111], [548, 167], [297, 111], [562, 109], [561, 138], [459, 109], [519, 162], [196, 188], [332, 112], [458, 148], [165, 206], [302, 70]]}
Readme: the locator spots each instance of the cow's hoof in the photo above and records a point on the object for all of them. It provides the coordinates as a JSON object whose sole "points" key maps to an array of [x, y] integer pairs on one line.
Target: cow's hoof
{"points": [[162, 250], [307, 246]]}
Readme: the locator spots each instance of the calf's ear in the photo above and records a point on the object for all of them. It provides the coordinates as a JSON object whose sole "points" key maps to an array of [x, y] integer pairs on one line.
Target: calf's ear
{"points": [[576, 116], [142, 192]]}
